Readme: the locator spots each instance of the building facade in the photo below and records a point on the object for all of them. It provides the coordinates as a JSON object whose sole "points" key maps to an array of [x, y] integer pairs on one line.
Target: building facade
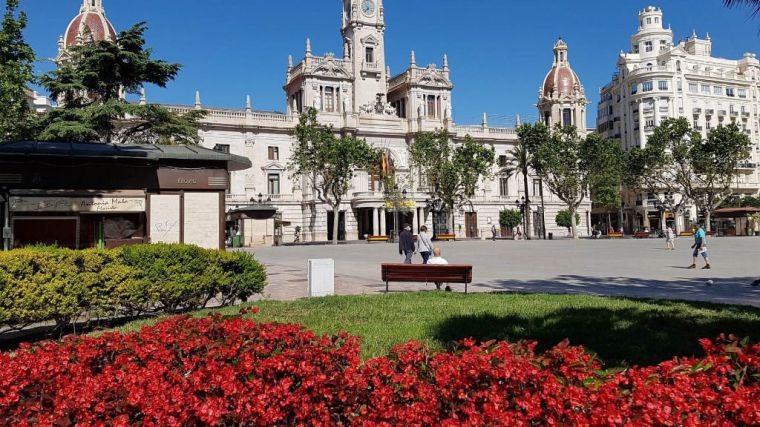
{"points": [[658, 79], [357, 94]]}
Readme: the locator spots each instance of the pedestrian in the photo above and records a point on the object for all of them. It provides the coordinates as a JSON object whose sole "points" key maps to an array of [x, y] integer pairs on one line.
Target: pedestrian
{"points": [[700, 248], [670, 238], [424, 244], [406, 244], [493, 230], [436, 259]]}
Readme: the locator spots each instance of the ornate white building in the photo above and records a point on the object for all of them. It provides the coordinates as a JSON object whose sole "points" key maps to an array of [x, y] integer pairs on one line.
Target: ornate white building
{"points": [[357, 94], [562, 98], [658, 79]]}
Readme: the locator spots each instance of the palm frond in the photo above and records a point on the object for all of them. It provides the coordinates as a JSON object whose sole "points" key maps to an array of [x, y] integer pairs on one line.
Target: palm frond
{"points": [[755, 4]]}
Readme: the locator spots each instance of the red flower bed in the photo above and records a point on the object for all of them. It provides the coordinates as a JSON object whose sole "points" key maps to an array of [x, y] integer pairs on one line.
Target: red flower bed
{"points": [[186, 371]]}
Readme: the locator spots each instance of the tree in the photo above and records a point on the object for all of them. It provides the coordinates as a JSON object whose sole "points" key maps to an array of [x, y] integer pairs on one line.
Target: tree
{"points": [[453, 172], [569, 163], [510, 218], [715, 165], [328, 162], [519, 161], [17, 120], [91, 86], [754, 4], [531, 137], [565, 219], [607, 166]]}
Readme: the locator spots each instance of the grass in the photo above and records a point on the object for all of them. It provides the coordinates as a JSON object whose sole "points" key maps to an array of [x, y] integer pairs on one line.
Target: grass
{"points": [[621, 331]]}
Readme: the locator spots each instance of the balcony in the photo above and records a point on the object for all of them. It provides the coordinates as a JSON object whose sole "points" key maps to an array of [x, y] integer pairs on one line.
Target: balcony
{"points": [[709, 112], [372, 67], [721, 113], [697, 111], [648, 128], [746, 165], [748, 132], [734, 114], [745, 114], [698, 128]]}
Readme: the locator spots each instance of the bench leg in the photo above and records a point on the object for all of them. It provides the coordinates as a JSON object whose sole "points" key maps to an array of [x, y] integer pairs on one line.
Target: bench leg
{"points": [[386, 286], [465, 288]]}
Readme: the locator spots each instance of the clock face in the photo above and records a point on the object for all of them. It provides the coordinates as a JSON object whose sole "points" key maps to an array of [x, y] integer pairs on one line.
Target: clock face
{"points": [[368, 7]]}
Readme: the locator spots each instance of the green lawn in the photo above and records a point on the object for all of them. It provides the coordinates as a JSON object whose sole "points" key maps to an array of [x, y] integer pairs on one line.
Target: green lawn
{"points": [[621, 331]]}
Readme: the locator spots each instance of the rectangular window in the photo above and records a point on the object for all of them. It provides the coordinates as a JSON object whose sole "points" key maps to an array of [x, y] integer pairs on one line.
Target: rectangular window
{"points": [[634, 89], [648, 46], [649, 123], [504, 187], [273, 183], [730, 92], [646, 86], [329, 101], [536, 187], [662, 85], [693, 87], [502, 161], [431, 106], [369, 55], [223, 148], [742, 93], [706, 89], [567, 117], [718, 90], [273, 153]]}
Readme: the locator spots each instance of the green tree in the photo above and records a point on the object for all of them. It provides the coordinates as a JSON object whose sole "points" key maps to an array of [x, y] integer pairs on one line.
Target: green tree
{"points": [[607, 165], [91, 85], [453, 172], [531, 137], [510, 218], [17, 120], [327, 163], [565, 219], [715, 163], [754, 4]]}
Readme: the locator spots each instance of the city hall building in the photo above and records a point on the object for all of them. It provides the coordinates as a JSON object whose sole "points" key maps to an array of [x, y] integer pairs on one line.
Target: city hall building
{"points": [[657, 79], [357, 94]]}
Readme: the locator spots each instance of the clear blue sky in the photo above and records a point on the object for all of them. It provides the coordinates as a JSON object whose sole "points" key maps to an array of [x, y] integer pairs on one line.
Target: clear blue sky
{"points": [[499, 50]]}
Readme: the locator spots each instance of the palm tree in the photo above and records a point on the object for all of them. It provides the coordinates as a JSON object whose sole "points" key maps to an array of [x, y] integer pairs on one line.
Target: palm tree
{"points": [[518, 162], [755, 4]]}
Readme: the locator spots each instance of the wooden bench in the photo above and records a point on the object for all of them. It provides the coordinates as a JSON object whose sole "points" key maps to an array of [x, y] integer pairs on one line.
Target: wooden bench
{"points": [[418, 273], [371, 239], [448, 237], [686, 234], [642, 235], [615, 235]]}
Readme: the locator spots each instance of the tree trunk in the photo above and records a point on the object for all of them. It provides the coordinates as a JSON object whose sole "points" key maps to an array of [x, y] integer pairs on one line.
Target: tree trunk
{"points": [[543, 210], [609, 221], [708, 218], [336, 223], [527, 207], [574, 224]]}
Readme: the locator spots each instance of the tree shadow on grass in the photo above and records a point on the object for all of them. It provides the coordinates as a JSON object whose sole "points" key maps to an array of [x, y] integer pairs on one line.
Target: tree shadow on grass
{"points": [[621, 337]]}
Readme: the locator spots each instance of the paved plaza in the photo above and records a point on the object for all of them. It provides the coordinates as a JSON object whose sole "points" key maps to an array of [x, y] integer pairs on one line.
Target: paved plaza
{"points": [[635, 268]]}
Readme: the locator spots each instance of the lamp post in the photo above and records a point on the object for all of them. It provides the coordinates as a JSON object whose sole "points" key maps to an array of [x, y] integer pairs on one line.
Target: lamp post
{"points": [[6, 229], [522, 204]]}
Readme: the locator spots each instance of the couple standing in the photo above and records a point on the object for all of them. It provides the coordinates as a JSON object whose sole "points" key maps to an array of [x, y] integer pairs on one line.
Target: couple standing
{"points": [[424, 246]]}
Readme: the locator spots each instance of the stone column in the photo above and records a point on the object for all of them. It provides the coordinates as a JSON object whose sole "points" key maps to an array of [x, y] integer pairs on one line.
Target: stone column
{"points": [[416, 225], [375, 222], [656, 105], [383, 227], [642, 136]]}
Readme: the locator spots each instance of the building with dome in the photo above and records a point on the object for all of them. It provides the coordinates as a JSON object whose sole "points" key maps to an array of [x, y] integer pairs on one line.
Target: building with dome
{"points": [[659, 78], [356, 92], [90, 25], [562, 98]]}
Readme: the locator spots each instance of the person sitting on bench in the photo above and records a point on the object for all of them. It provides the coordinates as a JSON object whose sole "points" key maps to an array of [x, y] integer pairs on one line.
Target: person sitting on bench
{"points": [[436, 259]]}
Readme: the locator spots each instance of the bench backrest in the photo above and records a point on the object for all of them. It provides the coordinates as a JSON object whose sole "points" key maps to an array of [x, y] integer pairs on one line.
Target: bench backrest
{"points": [[426, 273]]}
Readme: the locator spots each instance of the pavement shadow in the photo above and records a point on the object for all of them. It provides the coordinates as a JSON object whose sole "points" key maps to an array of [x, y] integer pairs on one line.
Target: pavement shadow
{"points": [[738, 290], [621, 337]]}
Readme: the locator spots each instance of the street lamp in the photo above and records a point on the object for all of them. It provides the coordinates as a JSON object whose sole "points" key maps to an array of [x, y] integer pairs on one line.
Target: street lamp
{"points": [[522, 204]]}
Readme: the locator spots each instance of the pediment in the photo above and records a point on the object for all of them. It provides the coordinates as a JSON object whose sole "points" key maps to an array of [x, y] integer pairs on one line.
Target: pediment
{"points": [[273, 166], [370, 40], [330, 68], [432, 79]]}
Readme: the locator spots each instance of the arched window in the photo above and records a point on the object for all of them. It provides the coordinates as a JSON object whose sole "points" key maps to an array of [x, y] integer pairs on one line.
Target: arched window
{"points": [[678, 65]]}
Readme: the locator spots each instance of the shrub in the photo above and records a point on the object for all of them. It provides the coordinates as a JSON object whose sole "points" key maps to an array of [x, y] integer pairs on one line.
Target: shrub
{"points": [[510, 218], [235, 371], [41, 284], [564, 219]]}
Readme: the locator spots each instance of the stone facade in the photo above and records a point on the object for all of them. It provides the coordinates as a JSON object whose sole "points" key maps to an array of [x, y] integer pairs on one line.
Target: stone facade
{"points": [[658, 79], [357, 94]]}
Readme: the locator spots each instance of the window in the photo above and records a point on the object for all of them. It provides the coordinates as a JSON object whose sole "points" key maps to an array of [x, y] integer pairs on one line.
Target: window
{"points": [[502, 161], [547, 118], [222, 148], [273, 153], [634, 89], [693, 87], [567, 118], [678, 65], [708, 126], [536, 187], [656, 20], [431, 106], [742, 93], [680, 85], [328, 103], [706, 89], [649, 20], [369, 55], [663, 45], [696, 124], [718, 90], [646, 86], [273, 183], [662, 85], [504, 187], [648, 46], [730, 92]]}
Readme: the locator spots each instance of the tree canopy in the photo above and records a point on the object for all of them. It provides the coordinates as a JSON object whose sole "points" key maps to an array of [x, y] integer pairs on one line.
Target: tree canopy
{"points": [[91, 85], [17, 120]]}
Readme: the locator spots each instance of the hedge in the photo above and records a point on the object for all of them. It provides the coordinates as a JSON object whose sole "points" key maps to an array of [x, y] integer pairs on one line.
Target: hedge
{"points": [[230, 371], [46, 284]]}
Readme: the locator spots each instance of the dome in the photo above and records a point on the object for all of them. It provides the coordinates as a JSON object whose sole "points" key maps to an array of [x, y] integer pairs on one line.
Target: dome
{"points": [[561, 79], [90, 25]]}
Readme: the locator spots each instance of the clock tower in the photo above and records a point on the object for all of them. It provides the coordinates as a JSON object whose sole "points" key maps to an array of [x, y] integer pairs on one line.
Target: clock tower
{"points": [[363, 32]]}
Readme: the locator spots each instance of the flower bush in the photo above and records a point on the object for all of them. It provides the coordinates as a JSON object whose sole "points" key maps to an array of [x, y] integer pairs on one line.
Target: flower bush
{"points": [[235, 371], [41, 284]]}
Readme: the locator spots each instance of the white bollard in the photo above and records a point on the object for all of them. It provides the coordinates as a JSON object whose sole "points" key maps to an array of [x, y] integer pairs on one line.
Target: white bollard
{"points": [[321, 277]]}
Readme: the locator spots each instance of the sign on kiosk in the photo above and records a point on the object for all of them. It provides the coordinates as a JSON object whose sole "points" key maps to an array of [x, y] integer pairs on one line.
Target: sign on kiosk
{"points": [[78, 204]]}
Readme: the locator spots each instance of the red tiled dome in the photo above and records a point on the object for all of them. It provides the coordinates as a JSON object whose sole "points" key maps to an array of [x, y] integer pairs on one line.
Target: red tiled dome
{"points": [[91, 26], [562, 80]]}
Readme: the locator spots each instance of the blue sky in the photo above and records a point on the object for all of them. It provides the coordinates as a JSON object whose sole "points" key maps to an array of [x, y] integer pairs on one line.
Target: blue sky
{"points": [[499, 50]]}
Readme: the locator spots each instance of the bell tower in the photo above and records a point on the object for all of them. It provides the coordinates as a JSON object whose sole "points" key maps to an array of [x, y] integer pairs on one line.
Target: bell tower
{"points": [[363, 32]]}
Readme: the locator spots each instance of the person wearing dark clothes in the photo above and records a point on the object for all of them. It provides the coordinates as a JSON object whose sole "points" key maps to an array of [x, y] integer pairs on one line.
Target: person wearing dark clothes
{"points": [[406, 245]]}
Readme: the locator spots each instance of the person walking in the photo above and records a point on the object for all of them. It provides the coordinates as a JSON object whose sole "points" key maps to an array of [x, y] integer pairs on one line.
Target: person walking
{"points": [[670, 238], [493, 231], [424, 244], [700, 248], [406, 244]]}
